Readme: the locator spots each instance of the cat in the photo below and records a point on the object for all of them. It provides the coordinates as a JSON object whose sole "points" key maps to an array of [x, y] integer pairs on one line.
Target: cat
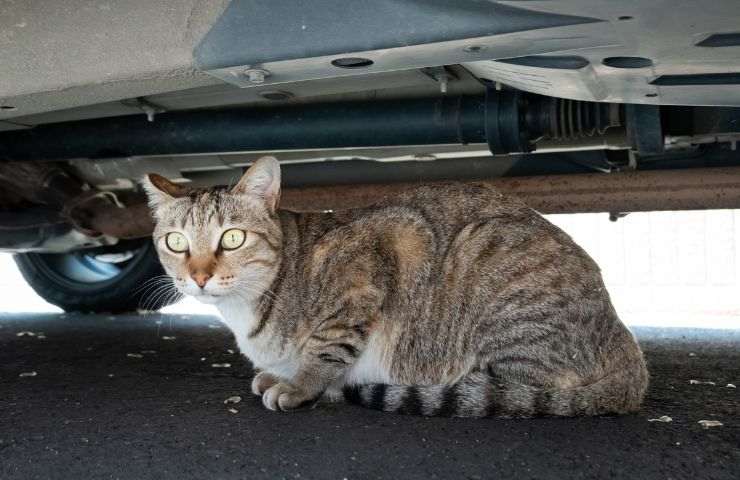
{"points": [[448, 300]]}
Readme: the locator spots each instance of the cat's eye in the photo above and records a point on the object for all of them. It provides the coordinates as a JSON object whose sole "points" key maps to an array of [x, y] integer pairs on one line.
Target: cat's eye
{"points": [[233, 239], [176, 242]]}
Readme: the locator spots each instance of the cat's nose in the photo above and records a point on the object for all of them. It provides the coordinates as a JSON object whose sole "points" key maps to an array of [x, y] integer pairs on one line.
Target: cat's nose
{"points": [[200, 278]]}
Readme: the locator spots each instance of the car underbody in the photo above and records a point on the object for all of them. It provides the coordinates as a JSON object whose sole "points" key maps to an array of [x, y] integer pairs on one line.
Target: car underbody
{"points": [[572, 105]]}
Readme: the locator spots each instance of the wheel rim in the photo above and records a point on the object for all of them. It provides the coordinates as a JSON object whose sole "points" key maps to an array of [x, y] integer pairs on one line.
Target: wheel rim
{"points": [[91, 269]]}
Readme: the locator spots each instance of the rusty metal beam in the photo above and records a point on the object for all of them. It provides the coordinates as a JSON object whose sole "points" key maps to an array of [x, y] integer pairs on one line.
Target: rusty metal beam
{"points": [[639, 191], [134, 221]]}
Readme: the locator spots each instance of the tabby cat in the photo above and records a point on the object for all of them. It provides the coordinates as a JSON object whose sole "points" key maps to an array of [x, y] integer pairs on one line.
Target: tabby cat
{"points": [[448, 300]]}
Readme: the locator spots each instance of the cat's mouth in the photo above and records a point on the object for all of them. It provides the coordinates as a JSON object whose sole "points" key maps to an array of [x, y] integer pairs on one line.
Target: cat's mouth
{"points": [[207, 297], [211, 294]]}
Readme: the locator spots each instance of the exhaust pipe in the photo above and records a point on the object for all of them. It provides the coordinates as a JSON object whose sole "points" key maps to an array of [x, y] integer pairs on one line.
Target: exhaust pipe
{"points": [[508, 121]]}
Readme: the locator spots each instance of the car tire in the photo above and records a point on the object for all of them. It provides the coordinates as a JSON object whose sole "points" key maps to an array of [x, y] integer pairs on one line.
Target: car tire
{"points": [[80, 281]]}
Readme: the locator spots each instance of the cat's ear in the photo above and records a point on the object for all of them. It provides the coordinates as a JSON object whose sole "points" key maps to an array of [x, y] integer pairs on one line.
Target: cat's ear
{"points": [[159, 190], [262, 180]]}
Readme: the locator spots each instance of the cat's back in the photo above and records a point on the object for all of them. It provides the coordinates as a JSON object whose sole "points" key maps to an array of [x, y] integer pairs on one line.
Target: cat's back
{"points": [[435, 215], [463, 229], [458, 212]]}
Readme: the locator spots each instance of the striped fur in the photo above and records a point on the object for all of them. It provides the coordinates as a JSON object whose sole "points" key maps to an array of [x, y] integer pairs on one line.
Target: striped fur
{"points": [[481, 395], [448, 300]]}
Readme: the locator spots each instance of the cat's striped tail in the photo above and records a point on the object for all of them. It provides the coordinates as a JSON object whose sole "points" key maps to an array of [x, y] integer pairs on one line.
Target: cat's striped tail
{"points": [[479, 395]]}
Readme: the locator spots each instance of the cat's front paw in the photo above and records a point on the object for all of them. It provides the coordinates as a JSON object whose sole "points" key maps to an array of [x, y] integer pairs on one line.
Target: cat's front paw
{"points": [[262, 381], [283, 396]]}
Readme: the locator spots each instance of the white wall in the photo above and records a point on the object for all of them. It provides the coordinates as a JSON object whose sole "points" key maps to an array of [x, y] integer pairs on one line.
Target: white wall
{"points": [[666, 268]]}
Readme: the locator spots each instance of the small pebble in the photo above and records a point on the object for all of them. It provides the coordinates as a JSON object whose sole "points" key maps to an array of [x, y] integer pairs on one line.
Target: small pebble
{"points": [[27, 374], [220, 365], [110, 375], [168, 338], [692, 354], [134, 355], [41, 336], [230, 351], [731, 385], [25, 334], [697, 382], [233, 399], [233, 410], [202, 359], [663, 419], [709, 423], [148, 352]]}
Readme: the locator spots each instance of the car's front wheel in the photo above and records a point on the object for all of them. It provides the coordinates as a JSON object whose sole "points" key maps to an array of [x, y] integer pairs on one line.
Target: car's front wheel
{"points": [[122, 278]]}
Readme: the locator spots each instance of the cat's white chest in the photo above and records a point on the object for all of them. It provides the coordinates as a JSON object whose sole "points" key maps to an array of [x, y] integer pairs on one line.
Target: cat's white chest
{"points": [[264, 351], [371, 366]]}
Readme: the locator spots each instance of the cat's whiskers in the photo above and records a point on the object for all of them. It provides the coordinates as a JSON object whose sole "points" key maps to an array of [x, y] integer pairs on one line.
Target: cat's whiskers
{"points": [[154, 279], [150, 300], [161, 291], [175, 296], [152, 283], [151, 292]]}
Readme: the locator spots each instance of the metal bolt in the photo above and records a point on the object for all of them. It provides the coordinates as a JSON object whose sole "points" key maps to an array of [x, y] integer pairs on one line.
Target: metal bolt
{"points": [[474, 48], [256, 75], [443, 79], [149, 111]]}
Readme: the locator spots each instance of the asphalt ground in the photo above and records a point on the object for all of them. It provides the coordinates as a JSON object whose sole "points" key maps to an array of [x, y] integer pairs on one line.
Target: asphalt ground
{"points": [[142, 397]]}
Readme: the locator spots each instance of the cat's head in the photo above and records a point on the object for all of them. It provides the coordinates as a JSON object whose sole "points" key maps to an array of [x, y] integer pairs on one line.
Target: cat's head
{"points": [[219, 243]]}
